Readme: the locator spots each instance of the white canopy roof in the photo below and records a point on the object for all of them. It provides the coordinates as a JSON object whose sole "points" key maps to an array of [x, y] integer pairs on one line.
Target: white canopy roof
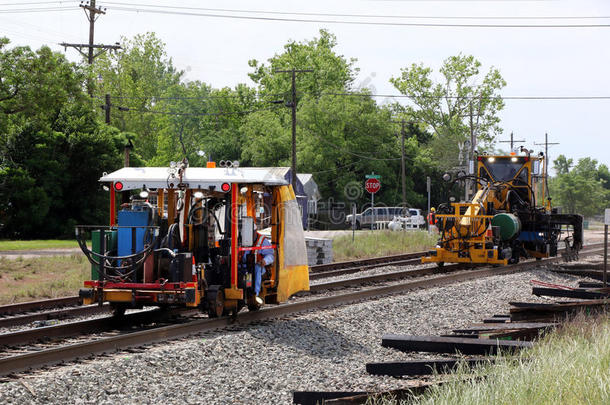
{"points": [[195, 177]]}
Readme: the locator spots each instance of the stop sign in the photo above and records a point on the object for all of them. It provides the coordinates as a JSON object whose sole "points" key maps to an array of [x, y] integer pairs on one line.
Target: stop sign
{"points": [[372, 185]]}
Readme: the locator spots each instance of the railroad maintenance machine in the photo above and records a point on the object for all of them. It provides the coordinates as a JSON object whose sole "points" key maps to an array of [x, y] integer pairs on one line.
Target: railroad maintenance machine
{"points": [[180, 235], [510, 216]]}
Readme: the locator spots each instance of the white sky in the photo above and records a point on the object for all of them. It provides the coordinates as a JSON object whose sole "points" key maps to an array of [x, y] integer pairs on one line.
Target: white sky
{"points": [[533, 61]]}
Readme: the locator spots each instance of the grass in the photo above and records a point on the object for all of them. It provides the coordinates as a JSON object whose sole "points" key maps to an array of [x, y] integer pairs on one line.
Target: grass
{"points": [[6, 245], [381, 243], [569, 366], [44, 277]]}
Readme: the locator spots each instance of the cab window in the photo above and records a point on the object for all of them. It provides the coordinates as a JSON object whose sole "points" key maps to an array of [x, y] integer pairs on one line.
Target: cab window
{"points": [[502, 169]]}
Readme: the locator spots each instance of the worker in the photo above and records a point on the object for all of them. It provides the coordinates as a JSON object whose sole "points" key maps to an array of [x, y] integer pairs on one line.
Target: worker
{"points": [[432, 220], [262, 259]]}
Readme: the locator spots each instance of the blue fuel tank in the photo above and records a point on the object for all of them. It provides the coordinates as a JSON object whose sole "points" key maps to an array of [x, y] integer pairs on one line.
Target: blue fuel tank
{"points": [[137, 218]]}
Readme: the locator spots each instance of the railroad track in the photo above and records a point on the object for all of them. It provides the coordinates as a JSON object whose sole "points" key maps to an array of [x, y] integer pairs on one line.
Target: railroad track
{"points": [[58, 354], [18, 314]]}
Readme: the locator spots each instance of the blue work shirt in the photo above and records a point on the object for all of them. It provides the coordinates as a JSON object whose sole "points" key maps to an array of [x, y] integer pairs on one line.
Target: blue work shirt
{"points": [[268, 256]]}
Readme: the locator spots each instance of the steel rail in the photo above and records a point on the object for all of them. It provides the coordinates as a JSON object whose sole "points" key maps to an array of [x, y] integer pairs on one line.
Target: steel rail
{"points": [[56, 355], [395, 275], [54, 315], [21, 307], [349, 270], [372, 261], [316, 272], [88, 326], [324, 270]]}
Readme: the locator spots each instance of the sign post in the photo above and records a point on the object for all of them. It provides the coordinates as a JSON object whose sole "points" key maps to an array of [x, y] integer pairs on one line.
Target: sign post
{"points": [[372, 185], [428, 188], [606, 223], [353, 222]]}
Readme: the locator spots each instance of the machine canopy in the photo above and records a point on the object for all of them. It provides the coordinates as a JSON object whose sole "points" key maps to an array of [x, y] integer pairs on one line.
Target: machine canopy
{"points": [[133, 178]]}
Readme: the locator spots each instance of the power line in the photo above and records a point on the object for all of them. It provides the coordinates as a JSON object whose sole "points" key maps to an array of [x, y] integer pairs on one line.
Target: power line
{"points": [[155, 98], [33, 2], [357, 154], [338, 168], [35, 10], [471, 97], [195, 97], [362, 15], [131, 109], [351, 22]]}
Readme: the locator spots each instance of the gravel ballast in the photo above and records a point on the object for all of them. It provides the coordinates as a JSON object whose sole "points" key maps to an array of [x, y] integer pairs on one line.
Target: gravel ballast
{"points": [[263, 363]]}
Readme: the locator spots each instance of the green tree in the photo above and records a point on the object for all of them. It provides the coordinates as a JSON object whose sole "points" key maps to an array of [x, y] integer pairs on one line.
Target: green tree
{"points": [[330, 71], [461, 104], [139, 78], [581, 188], [52, 149]]}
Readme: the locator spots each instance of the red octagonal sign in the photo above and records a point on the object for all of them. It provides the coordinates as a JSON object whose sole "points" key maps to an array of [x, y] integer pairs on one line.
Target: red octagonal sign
{"points": [[372, 185]]}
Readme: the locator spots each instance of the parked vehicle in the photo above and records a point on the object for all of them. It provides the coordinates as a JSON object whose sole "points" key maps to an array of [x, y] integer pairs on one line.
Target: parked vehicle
{"points": [[417, 220], [368, 217]]}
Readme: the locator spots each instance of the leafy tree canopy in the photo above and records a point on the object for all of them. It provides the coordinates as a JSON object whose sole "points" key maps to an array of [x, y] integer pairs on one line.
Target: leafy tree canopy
{"points": [[52, 149], [461, 103], [580, 188]]}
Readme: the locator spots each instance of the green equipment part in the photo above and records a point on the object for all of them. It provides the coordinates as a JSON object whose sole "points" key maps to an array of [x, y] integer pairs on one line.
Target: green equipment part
{"points": [[111, 241], [509, 225]]}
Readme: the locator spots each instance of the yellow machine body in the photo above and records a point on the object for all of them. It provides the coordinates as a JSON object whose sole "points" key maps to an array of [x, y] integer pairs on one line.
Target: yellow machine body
{"points": [[466, 234]]}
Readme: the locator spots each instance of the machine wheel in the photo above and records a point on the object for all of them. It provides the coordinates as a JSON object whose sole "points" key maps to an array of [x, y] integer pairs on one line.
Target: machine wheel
{"points": [[358, 227], [440, 265], [252, 307], [216, 302], [118, 310]]}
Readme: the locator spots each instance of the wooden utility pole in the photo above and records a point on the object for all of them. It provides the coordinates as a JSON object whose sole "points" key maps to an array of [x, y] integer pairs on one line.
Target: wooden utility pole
{"points": [[92, 12], [512, 141], [106, 108], [546, 147], [403, 123], [547, 160], [293, 105]]}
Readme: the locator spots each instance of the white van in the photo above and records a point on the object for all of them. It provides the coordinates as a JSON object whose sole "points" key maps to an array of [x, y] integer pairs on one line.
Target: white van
{"points": [[366, 219]]}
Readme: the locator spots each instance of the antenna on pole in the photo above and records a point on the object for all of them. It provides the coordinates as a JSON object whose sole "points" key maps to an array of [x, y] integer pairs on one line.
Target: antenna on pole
{"points": [[547, 161], [512, 141]]}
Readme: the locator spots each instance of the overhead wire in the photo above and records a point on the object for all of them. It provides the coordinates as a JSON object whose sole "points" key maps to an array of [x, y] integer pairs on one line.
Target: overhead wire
{"points": [[357, 154], [36, 10], [194, 97], [359, 15], [349, 22], [347, 94], [338, 168], [36, 2], [129, 109]]}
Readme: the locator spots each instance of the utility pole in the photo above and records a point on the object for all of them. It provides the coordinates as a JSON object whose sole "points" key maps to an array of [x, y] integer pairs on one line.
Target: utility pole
{"points": [[402, 160], [106, 108], [92, 16], [293, 105], [546, 147], [547, 161], [512, 141]]}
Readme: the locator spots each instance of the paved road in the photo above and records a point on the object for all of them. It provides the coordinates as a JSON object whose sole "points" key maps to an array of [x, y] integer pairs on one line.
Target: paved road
{"points": [[27, 254]]}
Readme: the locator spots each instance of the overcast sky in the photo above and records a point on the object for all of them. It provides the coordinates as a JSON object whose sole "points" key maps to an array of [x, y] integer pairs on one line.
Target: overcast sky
{"points": [[534, 61]]}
